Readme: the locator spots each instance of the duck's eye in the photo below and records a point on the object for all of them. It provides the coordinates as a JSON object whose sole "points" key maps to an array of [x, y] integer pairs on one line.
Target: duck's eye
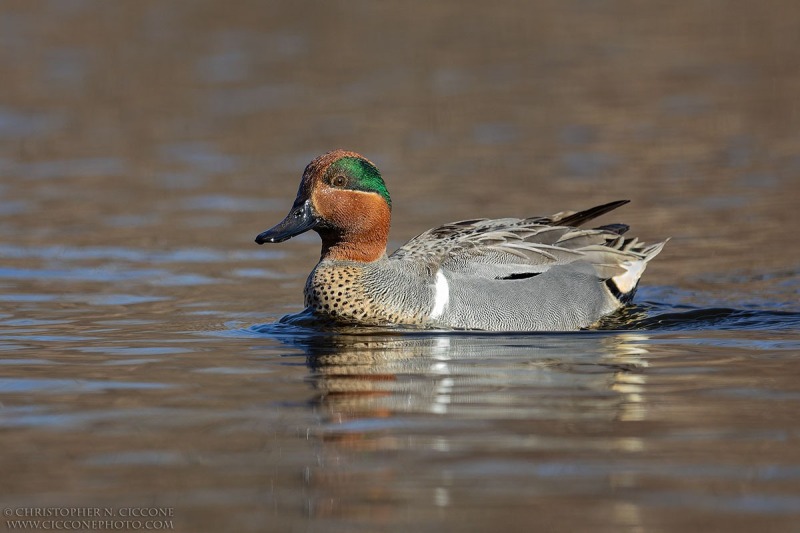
{"points": [[339, 181]]}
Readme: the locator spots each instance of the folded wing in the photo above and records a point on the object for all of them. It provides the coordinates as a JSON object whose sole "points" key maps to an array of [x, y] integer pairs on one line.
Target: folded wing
{"points": [[512, 248]]}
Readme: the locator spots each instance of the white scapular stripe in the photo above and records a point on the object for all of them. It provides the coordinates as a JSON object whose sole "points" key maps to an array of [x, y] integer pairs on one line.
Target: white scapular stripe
{"points": [[442, 295], [633, 271]]}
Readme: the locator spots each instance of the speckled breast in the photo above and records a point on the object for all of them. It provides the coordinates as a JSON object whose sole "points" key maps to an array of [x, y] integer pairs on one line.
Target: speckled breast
{"points": [[362, 294]]}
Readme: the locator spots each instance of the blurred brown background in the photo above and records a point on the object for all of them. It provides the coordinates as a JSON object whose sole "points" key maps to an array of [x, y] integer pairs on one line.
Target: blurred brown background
{"points": [[124, 111]]}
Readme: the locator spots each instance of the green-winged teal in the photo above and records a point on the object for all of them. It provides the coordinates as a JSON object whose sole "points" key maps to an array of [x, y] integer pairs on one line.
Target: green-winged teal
{"points": [[509, 274]]}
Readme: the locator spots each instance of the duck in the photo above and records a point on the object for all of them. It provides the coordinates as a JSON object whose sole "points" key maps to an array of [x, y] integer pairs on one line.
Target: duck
{"points": [[542, 273]]}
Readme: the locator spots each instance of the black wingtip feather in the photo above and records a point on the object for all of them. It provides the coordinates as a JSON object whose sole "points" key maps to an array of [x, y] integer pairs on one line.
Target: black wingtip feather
{"points": [[582, 217]]}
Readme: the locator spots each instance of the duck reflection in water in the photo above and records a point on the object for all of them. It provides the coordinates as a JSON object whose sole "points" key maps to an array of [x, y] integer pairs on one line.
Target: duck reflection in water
{"points": [[363, 379], [451, 403]]}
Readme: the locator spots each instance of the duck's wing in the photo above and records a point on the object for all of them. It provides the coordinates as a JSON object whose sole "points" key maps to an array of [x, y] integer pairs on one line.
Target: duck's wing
{"points": [[513, 248]]}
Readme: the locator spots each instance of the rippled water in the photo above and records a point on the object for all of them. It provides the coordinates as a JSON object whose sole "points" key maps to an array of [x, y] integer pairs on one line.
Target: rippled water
{"points": [[142, 362]]}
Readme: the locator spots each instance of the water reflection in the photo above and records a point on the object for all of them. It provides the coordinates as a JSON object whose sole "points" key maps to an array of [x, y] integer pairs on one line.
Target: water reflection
{"points": [[498, 406], [362, 382]]}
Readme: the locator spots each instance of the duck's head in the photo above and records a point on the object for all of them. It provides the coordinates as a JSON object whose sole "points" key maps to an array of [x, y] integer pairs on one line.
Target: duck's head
{"points": [[343, 198]]}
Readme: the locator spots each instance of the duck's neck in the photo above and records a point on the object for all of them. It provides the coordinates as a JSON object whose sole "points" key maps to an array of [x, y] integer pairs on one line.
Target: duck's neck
{"points": [[363, 247]]}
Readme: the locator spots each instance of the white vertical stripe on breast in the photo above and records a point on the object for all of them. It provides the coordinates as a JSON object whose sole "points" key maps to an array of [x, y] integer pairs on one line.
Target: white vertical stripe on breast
{"points": [[442, 297]]}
